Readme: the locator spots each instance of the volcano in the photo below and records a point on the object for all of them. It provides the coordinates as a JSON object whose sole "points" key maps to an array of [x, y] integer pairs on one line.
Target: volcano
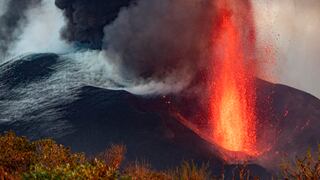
{"points": [[96, 118], [169, 85]]}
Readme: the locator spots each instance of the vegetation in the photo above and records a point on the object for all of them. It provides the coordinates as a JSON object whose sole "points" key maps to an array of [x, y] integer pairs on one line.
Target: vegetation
{"points": [[45, 159], [307, 167]]}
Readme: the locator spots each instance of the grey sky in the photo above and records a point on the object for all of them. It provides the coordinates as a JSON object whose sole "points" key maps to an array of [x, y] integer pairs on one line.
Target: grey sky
{"points": [[294, 28]]}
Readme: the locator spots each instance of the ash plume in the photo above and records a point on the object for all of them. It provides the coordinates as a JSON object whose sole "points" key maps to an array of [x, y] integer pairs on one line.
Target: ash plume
{"points": [[86, 19], [12, 21], [3, 6], [154, 45], [160, 40]]}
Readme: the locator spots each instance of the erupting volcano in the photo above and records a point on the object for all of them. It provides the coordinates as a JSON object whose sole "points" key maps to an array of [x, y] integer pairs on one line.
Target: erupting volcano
{"points": [[232, 118]]}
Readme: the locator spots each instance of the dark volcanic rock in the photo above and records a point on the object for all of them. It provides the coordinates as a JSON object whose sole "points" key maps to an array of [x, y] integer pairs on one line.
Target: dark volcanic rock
{"points": [[28, 69], [289, 119], [101, 118]]}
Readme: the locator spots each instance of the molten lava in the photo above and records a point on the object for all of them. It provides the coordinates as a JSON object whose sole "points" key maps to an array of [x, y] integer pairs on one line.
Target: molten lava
{"points": [[232, 89]]}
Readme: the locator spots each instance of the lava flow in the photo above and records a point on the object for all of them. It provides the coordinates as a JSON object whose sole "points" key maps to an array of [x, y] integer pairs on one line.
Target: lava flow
{"points": [[232, 116]]}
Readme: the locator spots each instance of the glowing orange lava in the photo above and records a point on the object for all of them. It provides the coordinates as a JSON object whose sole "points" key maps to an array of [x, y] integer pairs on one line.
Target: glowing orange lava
{"points": [[232, 89]]}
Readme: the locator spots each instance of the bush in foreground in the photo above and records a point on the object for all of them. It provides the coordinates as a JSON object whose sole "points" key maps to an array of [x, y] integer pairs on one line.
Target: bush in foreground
{"points": [[307, 167], [45, 159]]}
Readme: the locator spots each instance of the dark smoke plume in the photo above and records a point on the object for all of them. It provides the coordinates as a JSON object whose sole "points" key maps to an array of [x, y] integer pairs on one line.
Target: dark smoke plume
{"points": [[12, 22], [86, 19], [161, 39], [147, 40]]}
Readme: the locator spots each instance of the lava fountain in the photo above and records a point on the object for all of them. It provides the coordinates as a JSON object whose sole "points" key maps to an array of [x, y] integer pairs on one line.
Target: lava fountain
{"points": [[232, 118]]}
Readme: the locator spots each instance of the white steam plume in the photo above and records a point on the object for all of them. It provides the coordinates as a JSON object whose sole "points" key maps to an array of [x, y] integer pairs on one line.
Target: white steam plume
{"points": [[3, 6], [42, 32]]}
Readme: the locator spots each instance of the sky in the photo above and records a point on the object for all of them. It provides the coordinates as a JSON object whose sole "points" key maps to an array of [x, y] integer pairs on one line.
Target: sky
{"points": [[293, 29]]}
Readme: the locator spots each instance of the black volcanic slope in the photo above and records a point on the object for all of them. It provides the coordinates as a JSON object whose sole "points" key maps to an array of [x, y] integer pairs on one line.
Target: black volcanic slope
{"points": [[98, 117], [102, 117], [290, 119], [28, 69]]}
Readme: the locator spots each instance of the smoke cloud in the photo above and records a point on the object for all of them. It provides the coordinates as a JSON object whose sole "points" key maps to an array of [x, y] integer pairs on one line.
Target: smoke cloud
{"points": [[155, 46], [86, 19], [147, 39], [12, 21], [42, 32], [161, 41], [3, 6]]}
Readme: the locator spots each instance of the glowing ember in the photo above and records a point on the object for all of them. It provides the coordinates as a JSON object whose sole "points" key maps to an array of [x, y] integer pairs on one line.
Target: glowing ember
{"points": [[232, 102]]}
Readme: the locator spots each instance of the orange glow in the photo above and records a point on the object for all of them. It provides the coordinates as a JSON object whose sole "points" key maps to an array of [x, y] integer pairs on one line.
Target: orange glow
{"points": [[232, 89]]}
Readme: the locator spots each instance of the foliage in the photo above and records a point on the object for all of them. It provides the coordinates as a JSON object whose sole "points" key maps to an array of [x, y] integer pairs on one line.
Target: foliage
{"points": [[191, 171], [139, 171], [50, 155], [307, 167], [113, 156], [45, 159], [17, 154], [96, 170]]}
